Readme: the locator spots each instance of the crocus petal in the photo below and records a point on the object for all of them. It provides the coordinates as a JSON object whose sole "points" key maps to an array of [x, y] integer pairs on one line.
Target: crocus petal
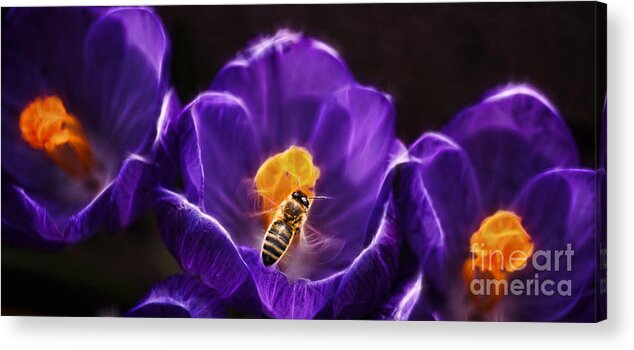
{"points": [[204, 249], [180, 296], [370, 114], [404, 297], [440, 208], [367, 283], [132, 191], [398, 153], [123, 86], [281, 298], [283, 79], [511, 136], [219, 156], [352, 143], [144, 30], [26, 224], [450, 189], [165, 147], [558, 208]]}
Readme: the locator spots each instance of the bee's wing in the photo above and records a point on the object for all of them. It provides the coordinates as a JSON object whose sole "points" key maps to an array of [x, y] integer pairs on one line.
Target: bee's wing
{"points": [[256, 213], [257, 199], [311, 249], [319, 245]]}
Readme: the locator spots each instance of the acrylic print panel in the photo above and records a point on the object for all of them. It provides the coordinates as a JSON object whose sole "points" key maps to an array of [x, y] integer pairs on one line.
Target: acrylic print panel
{"points": [[385, 162]]}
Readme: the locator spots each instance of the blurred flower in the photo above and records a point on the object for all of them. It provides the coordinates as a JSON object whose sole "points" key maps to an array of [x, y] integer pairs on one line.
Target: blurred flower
{"points": [[285, 115], [498, 196], [82, 90]]}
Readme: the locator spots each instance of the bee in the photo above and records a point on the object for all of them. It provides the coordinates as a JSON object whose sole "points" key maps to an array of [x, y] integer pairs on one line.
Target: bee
{"points": [[288, 222]]}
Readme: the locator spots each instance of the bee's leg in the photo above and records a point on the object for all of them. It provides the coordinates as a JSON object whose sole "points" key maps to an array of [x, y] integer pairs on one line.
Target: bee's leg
{"points": [[296, 233]]}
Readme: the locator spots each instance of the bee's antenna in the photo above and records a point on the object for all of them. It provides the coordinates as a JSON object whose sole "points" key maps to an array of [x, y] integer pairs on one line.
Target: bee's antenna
{"points": [[320, 197]]}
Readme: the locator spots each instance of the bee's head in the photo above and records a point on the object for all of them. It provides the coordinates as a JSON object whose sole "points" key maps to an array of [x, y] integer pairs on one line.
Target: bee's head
{"points": [[301, 197]]}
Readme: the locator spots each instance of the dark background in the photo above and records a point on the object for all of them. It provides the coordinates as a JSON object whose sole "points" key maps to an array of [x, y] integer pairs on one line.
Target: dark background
{"points": [[434, 59]]}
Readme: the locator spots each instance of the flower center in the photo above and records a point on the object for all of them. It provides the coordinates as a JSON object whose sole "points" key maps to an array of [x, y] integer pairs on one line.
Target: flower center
{"points": [[499, 247], [282, 174], [46, 125]]}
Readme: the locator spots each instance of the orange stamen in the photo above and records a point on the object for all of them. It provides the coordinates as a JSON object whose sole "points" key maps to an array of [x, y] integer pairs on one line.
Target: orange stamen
{"points": [[282, 174], [46, 125], [499, 247]]}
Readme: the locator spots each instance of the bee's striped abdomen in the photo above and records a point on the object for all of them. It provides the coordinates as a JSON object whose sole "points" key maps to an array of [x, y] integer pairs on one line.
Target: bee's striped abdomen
{"points": [[276, 242]]}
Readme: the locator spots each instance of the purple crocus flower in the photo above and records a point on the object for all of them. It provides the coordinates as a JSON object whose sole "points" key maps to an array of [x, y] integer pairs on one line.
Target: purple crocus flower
{"points": [[285, 115], [82, 90], [498, 197]]}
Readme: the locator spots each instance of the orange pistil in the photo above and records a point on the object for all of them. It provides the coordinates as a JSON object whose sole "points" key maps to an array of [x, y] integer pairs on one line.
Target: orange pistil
{"points": [[282, 174], [499, 247], [46, 125]]}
